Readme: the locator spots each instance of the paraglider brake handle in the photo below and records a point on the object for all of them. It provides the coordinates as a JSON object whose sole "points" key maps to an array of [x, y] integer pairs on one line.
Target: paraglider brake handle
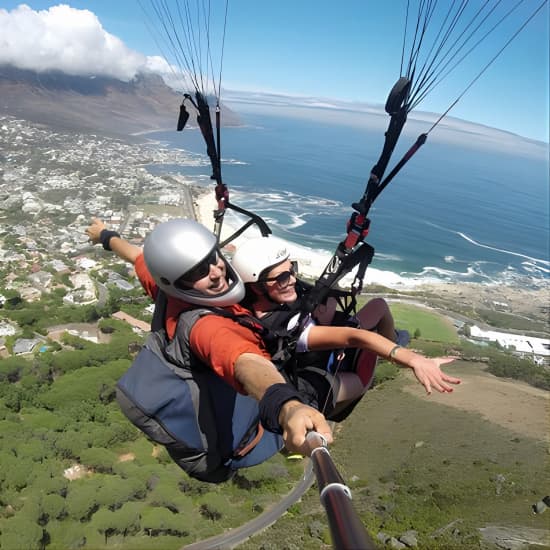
{"points": [[188, 96]]}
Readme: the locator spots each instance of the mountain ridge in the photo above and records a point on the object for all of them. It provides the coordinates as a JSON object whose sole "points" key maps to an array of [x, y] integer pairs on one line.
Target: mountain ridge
{"points": [[93, 103]]}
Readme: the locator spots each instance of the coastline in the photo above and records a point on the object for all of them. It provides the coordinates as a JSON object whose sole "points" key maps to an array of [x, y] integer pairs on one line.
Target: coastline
{"points": [[497, 297]]}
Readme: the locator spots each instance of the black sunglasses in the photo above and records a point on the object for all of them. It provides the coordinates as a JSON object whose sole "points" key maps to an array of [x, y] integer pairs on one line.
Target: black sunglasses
{"points": [[283, 278], [198, 272]]}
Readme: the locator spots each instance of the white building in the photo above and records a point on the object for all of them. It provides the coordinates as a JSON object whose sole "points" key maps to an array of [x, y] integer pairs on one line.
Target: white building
{"points": [[85, 263], [520, 342], [6, 329]]}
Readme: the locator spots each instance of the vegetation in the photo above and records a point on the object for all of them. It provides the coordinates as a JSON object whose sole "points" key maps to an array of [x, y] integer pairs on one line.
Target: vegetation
{"points": [[507, 321], [413, 464], [57, 411], [434, 335]]}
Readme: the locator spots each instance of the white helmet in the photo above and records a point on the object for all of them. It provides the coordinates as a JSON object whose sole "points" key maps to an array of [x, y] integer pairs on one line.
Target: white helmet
{"points": [[183, 249], [258, 255]]}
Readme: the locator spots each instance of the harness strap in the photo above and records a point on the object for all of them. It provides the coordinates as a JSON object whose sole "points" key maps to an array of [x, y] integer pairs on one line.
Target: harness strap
{"points": [[253, 219], [159, 313], [244, 448]]}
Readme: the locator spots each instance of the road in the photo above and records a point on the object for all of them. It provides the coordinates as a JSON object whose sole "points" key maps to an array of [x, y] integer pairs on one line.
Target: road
{"points": [[187, 205], [240, 534]]}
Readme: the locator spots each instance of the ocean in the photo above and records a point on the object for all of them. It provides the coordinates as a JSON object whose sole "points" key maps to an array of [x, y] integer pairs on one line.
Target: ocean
{"points": [[465, 209]]}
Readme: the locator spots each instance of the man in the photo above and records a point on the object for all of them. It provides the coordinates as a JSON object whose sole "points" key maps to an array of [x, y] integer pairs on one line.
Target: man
{"points": [[181, 257]]}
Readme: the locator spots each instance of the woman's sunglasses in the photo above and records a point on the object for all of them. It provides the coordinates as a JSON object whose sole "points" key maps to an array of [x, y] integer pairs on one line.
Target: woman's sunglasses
{"points": [[198, 272], [283, 278]]}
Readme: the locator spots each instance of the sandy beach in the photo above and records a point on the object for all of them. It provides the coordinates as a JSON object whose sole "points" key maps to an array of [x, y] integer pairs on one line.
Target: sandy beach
{"points": [[532, 303], [311, 262]]}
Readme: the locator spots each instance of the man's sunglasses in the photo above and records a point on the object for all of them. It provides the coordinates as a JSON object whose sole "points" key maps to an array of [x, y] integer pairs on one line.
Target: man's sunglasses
{"points": [[283, 278], [200, 271]]}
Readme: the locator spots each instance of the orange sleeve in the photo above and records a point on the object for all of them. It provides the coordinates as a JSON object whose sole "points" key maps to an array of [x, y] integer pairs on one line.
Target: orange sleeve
{"points": [[218, 342], [174, 306], [145, 277]]}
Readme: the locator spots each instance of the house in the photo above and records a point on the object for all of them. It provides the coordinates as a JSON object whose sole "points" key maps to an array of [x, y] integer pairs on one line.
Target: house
{"points": [[59, 266], [85, 263], [7, 329], [30, 294], [135, 323], [41, 279], [122, 284], [25, 345]]}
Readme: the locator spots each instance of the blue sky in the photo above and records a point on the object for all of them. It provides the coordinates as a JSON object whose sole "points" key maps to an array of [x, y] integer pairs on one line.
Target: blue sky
{"points": [[351, 51]]}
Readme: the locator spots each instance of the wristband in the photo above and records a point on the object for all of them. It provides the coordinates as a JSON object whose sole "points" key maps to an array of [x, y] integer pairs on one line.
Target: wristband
{"points": [[105, 238], [271, 403], [393, 351]]}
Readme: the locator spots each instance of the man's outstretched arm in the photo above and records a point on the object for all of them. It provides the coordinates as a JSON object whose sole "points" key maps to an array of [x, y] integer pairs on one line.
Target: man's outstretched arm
{"points": [[121, 247]]}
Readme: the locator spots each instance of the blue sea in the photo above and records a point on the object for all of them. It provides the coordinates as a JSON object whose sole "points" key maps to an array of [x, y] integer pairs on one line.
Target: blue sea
{"points": [[464, 209]]}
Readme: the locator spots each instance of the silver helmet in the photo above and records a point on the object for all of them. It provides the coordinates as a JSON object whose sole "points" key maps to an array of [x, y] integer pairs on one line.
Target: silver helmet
{"points": [[184, 249]]}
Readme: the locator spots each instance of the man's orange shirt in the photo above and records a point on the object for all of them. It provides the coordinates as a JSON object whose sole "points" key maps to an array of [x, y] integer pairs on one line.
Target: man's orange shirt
{"points": [[217, 341]]}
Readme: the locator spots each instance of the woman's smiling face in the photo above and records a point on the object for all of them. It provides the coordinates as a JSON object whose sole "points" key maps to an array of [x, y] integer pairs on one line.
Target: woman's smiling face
{"points": [[280, 283]]}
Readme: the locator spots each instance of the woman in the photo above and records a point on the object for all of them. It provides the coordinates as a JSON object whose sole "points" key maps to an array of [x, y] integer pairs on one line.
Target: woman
{"points": [[272, 288]]}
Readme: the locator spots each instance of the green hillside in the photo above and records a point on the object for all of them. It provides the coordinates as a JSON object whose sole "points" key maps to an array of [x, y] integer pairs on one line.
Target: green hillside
{"points": [[411, 464]]}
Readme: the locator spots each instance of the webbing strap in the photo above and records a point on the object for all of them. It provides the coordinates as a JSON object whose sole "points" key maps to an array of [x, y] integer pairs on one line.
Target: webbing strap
{"points": [[244, 448]]}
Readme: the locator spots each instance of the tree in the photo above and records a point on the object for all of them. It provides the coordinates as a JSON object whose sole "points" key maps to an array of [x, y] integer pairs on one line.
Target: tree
{"points": [[212, 506], [160, 521], [58, 293], [66, 280], [81, 500], [27, 316], [71, 360], [165, 494], [119, 200], [105, 522], [82, 385], [19, 532], [100, 460], [20, 473], [116, 491], [51, 481], [28, 332], [128, 518], [109, 434], [11, 367], [66, 534], [13, 299], [12, 397], [75, 341], [53, 507], [33, 449], [70, 445]]}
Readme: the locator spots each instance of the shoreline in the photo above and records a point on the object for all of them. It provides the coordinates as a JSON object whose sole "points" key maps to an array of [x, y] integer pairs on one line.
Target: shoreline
{"points": [[509, 299]]}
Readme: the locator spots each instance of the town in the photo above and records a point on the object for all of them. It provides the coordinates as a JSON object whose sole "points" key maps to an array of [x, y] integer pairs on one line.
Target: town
{"points": [[52, 184]]}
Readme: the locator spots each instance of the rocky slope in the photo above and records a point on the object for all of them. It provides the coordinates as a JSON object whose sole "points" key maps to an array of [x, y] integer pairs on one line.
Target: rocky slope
{"points": [[96, 104]]}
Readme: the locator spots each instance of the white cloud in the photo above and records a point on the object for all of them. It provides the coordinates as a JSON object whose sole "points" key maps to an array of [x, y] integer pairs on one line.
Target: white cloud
{"points": [[66, 39]]}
